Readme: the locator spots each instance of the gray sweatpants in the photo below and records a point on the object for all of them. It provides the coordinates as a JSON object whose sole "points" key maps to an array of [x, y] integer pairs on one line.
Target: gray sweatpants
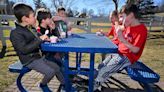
{"points": [[48, 68], [112, 64]]}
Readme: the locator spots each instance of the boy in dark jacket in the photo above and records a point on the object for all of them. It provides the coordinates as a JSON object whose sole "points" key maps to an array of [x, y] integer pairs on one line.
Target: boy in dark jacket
{"points": [[46, 24], [26, 44], [62, 23]]}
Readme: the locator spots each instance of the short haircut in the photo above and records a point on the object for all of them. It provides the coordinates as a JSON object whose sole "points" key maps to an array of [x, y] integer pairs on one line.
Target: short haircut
{"points": [[122, 10], [21, 10], [61, 9], [43, 14], [134, 9], [114, 13]]}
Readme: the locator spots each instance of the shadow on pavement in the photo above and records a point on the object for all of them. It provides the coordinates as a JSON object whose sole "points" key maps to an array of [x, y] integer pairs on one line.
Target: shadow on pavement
{"points": [[124, 88]]}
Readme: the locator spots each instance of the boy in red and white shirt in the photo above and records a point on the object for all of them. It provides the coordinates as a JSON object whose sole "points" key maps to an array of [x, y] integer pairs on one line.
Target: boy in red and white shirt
{"points": [[130, 46]]}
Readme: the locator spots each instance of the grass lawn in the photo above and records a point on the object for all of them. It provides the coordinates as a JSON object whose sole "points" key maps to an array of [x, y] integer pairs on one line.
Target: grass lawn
{"points": [[159, 14], [6, 78], [154, 52], [152, 56]]}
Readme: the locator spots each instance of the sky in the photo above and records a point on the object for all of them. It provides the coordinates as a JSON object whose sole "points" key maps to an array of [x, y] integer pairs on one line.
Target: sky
{"points": [[97, 5]]}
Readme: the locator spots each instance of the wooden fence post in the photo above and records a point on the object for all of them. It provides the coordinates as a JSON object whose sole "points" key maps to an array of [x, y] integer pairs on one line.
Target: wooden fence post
{"points": [[162, 23], [3, 41], [150, 24], [2, 37], [89, 25]]}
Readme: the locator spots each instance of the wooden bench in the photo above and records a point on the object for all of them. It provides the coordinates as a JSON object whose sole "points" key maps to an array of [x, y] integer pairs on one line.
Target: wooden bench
{"points": [[142, 74], [18, 68]]}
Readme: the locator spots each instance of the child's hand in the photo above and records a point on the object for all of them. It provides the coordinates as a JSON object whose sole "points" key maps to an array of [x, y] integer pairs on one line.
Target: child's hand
{"points": [[52, 25], [100, 32], [118, 30], [57, 18], [120, 35], [45, 38], [69, 26]]}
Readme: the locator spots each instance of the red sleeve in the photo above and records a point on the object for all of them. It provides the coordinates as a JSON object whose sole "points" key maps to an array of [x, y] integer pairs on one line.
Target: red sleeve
{"points": [[140, 38], [111, 32], [38, 29]]}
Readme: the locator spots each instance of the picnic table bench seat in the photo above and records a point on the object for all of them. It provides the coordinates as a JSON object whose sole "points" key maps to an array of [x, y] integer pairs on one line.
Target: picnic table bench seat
{"points": [[142, 74], [137, 71], [18, 68]]}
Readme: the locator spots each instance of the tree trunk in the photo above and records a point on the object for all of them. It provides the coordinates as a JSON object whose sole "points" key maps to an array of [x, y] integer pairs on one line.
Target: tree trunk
{"points": [[116, 4], [130, 2]]}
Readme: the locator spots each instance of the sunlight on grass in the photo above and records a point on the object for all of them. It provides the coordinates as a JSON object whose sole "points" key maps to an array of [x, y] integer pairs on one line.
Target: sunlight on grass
{"points": [[102, 24], [6, 78], [159, 14], [6, 33], [153, 53]]}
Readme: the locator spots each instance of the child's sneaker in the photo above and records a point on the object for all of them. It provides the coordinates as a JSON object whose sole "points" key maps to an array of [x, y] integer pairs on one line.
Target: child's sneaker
{"points": [[45, 88]]}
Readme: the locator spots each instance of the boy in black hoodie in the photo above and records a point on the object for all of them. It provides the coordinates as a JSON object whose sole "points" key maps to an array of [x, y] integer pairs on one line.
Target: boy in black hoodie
{"points": [[26, 44]]}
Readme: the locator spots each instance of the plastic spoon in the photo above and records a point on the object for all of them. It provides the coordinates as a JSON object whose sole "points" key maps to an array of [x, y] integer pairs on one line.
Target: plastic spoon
{"points": [[46, 32]]}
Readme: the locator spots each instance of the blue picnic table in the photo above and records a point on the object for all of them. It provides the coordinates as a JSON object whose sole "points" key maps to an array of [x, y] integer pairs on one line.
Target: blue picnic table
{"points": [[87, 43], [81, 43]]}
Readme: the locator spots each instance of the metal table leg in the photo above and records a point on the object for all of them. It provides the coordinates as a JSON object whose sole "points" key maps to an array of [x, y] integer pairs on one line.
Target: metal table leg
{"points": [[91, 72]]}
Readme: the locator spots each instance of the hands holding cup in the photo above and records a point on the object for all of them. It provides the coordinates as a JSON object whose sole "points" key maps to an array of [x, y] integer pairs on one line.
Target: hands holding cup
{"points": [[53, 39], [100, 33], [44, 38], [63, 35]]}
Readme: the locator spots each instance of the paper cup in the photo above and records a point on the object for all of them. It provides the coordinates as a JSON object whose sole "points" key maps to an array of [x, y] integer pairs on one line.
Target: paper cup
{"points": [[53, 39], [63, 35]]}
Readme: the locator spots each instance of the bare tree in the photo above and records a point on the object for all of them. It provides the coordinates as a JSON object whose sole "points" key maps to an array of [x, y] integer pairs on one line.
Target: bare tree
{"points": [[101, 12], [75, 11], [161, 7], [91, 12], [116, 4], [37, 3], [97, 3], [84, 10], [63, 3], [130, 2], [70, 12], [9, 6]]}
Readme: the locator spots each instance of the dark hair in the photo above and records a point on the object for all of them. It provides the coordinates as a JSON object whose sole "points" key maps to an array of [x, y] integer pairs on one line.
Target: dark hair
{"points": [[122, 10], [61, 9], [132, 8], [21, 10], [44, 14], [114, 13]]}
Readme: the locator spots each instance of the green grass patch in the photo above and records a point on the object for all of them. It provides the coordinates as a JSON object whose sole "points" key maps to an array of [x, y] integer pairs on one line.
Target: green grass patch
{"points": [[153, 53], [159, 14], [6, 78]]}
